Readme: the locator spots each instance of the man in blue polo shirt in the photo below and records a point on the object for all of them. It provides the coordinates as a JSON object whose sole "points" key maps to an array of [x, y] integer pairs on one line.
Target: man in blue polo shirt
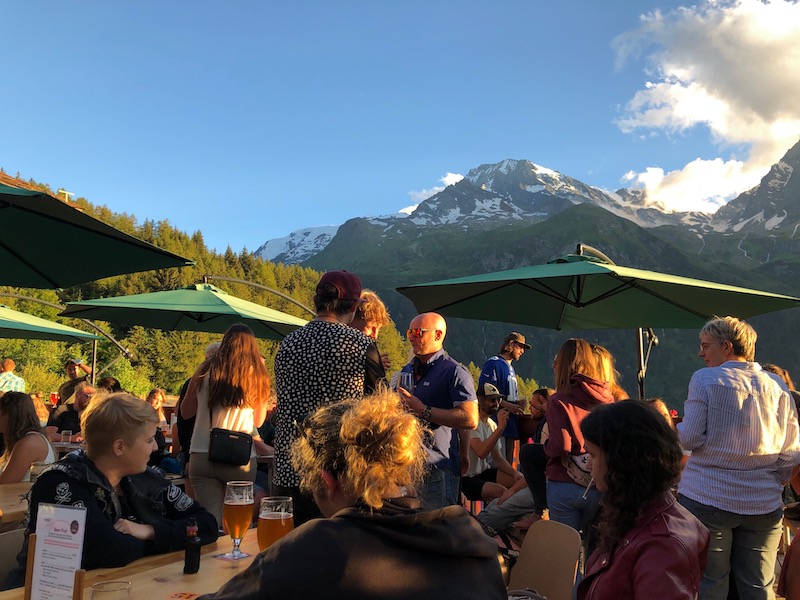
{"points": [[444, 397]]}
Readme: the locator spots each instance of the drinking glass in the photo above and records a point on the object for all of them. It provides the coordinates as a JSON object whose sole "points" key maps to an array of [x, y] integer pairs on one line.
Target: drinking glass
{"points": [[406, 382], [54, 398], [237, 512], [65, 436], [275, 520], [112, 590], [36, 470], [403, 380]]}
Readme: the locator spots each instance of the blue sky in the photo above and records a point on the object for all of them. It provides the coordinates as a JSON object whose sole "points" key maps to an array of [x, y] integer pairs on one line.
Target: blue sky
{"points": [[250, 119]]}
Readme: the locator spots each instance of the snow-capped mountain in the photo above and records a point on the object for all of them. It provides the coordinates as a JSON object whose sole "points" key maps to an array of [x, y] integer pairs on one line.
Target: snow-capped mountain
{"points": [[298, 245], [770, 206], [492, 195]]}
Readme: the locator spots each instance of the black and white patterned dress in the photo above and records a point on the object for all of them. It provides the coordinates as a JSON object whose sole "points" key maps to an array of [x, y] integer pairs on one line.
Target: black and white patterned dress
{"points": [[318, 364]]}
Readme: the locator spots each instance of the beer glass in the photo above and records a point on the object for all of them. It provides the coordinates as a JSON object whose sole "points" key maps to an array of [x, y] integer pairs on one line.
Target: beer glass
{"points": [[111, 590], [275, 520], [237, 513]]}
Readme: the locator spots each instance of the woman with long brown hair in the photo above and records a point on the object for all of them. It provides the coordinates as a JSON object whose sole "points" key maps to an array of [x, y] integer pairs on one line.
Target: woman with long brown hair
{"points": [[229, 391], [580, 387], [648, 545], [25, 442]]}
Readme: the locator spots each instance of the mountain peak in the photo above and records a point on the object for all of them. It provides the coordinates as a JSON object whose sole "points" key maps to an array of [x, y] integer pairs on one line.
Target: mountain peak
{"points": [[771, 205]]}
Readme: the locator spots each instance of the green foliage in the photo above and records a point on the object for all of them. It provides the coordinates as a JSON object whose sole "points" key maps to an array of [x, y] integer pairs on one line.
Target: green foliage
{"points": [[134, 379], [39, 378], [162, 359]]}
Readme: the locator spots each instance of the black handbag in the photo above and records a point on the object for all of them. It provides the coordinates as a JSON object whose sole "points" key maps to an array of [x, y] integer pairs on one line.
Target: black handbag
{"points": [[228, 447]]}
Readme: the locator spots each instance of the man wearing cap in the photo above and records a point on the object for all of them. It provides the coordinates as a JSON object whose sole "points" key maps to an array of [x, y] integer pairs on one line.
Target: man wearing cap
{"points": [[67, 389], [444, 398], [321, 363], [489, 472], [67, 417], [499, 371]]}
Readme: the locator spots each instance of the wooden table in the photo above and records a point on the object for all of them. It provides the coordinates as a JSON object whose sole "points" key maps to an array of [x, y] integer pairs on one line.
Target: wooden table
{"points": [[157, 577], [13, 501]]}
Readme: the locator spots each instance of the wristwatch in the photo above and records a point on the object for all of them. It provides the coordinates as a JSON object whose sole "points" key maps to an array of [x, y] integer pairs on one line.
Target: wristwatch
{"points": [[426, 413]]}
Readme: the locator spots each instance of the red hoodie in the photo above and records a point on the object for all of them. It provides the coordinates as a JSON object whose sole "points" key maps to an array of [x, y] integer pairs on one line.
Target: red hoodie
{"points": [[564, 415]]}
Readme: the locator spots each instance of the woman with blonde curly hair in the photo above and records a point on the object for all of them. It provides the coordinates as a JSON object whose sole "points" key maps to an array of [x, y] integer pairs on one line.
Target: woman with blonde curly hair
{"points": [[359, 459]]}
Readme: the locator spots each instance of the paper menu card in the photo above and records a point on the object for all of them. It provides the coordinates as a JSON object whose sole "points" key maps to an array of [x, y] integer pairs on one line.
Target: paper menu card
{"points": [[59, 546]]}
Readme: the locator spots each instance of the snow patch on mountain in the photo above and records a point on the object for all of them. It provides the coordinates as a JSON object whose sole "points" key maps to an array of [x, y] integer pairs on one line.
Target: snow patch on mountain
{"points": [[298, 245]]}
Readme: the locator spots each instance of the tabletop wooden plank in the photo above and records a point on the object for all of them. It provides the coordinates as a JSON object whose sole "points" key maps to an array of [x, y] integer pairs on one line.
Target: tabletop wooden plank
{"points": [[13, 502], [159, 576]]}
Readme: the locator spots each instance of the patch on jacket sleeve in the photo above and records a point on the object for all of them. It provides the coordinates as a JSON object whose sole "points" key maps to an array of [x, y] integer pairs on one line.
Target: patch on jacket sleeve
{"points": [[178, 498], [63, 493]]}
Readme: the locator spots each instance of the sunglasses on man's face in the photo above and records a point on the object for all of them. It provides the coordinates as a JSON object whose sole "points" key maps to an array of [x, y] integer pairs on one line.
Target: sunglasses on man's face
{"points": [[417, 332]]}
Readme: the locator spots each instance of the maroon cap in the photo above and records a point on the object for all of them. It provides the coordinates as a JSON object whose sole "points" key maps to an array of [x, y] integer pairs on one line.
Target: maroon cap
{"points": [[346, 283]]}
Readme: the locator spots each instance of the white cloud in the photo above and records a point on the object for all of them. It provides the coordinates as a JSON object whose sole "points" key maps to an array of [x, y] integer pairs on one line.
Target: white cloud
{"points": [[408, 209], [419, 196], [732, 67]]}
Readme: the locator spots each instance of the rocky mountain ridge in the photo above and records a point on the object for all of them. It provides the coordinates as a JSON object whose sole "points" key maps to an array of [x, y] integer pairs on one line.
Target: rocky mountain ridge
{"points": [[520, 191]]}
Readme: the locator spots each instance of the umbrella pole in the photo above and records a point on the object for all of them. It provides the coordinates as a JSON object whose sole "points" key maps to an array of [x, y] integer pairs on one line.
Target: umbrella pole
{"points": [[644, 358], [641, 366], [94, 359]]}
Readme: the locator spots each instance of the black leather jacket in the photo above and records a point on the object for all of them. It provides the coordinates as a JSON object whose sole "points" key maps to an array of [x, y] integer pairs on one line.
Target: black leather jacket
{"points": [[148, 498]]}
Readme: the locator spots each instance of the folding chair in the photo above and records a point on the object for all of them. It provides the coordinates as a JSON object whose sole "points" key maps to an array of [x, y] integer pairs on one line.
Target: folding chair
{"points": [[548, 560]]}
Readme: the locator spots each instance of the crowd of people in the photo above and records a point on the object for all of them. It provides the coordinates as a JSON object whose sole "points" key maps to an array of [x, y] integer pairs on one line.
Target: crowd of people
{"points": [[380, 473]]}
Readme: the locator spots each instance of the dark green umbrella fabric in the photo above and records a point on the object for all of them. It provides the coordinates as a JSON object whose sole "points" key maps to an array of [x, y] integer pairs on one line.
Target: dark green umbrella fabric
{"points": [[46, 243], [19, 325], [200, 307], [578, 292]]}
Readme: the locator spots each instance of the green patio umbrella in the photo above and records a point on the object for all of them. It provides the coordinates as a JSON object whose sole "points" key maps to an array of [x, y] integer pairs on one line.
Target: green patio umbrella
{"points": [[46, 243], [579, 292], [584, 292], [15, 324], [200, 307]]}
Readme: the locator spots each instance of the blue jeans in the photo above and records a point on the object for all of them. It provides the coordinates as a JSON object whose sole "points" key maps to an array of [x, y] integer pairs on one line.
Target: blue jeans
{"points": [[567, 504], [439, 489], [742, 545]]}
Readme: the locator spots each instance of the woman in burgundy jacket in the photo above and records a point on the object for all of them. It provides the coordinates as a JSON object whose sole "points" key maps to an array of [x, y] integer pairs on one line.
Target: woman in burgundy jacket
{"points": [[580, 387], [649, 545]]}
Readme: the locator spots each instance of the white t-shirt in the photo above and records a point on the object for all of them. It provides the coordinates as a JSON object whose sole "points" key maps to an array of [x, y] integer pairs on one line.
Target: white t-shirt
{"points": [[482, 432]]}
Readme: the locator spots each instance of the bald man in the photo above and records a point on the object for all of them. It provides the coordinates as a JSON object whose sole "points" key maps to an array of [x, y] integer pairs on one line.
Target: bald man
{"points": [[8, 381], [443, 396]]}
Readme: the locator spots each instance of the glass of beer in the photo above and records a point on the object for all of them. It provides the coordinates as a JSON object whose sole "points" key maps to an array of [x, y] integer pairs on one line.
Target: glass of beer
{"points": [[275, 520], [237, 512]]}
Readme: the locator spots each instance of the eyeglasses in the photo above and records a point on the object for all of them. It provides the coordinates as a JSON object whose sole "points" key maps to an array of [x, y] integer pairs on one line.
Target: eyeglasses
{"points": [[705, 345], [418, 332]]}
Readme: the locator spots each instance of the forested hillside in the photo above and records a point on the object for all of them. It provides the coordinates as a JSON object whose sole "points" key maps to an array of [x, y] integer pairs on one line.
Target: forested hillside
{"points": [[160, 359]]}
